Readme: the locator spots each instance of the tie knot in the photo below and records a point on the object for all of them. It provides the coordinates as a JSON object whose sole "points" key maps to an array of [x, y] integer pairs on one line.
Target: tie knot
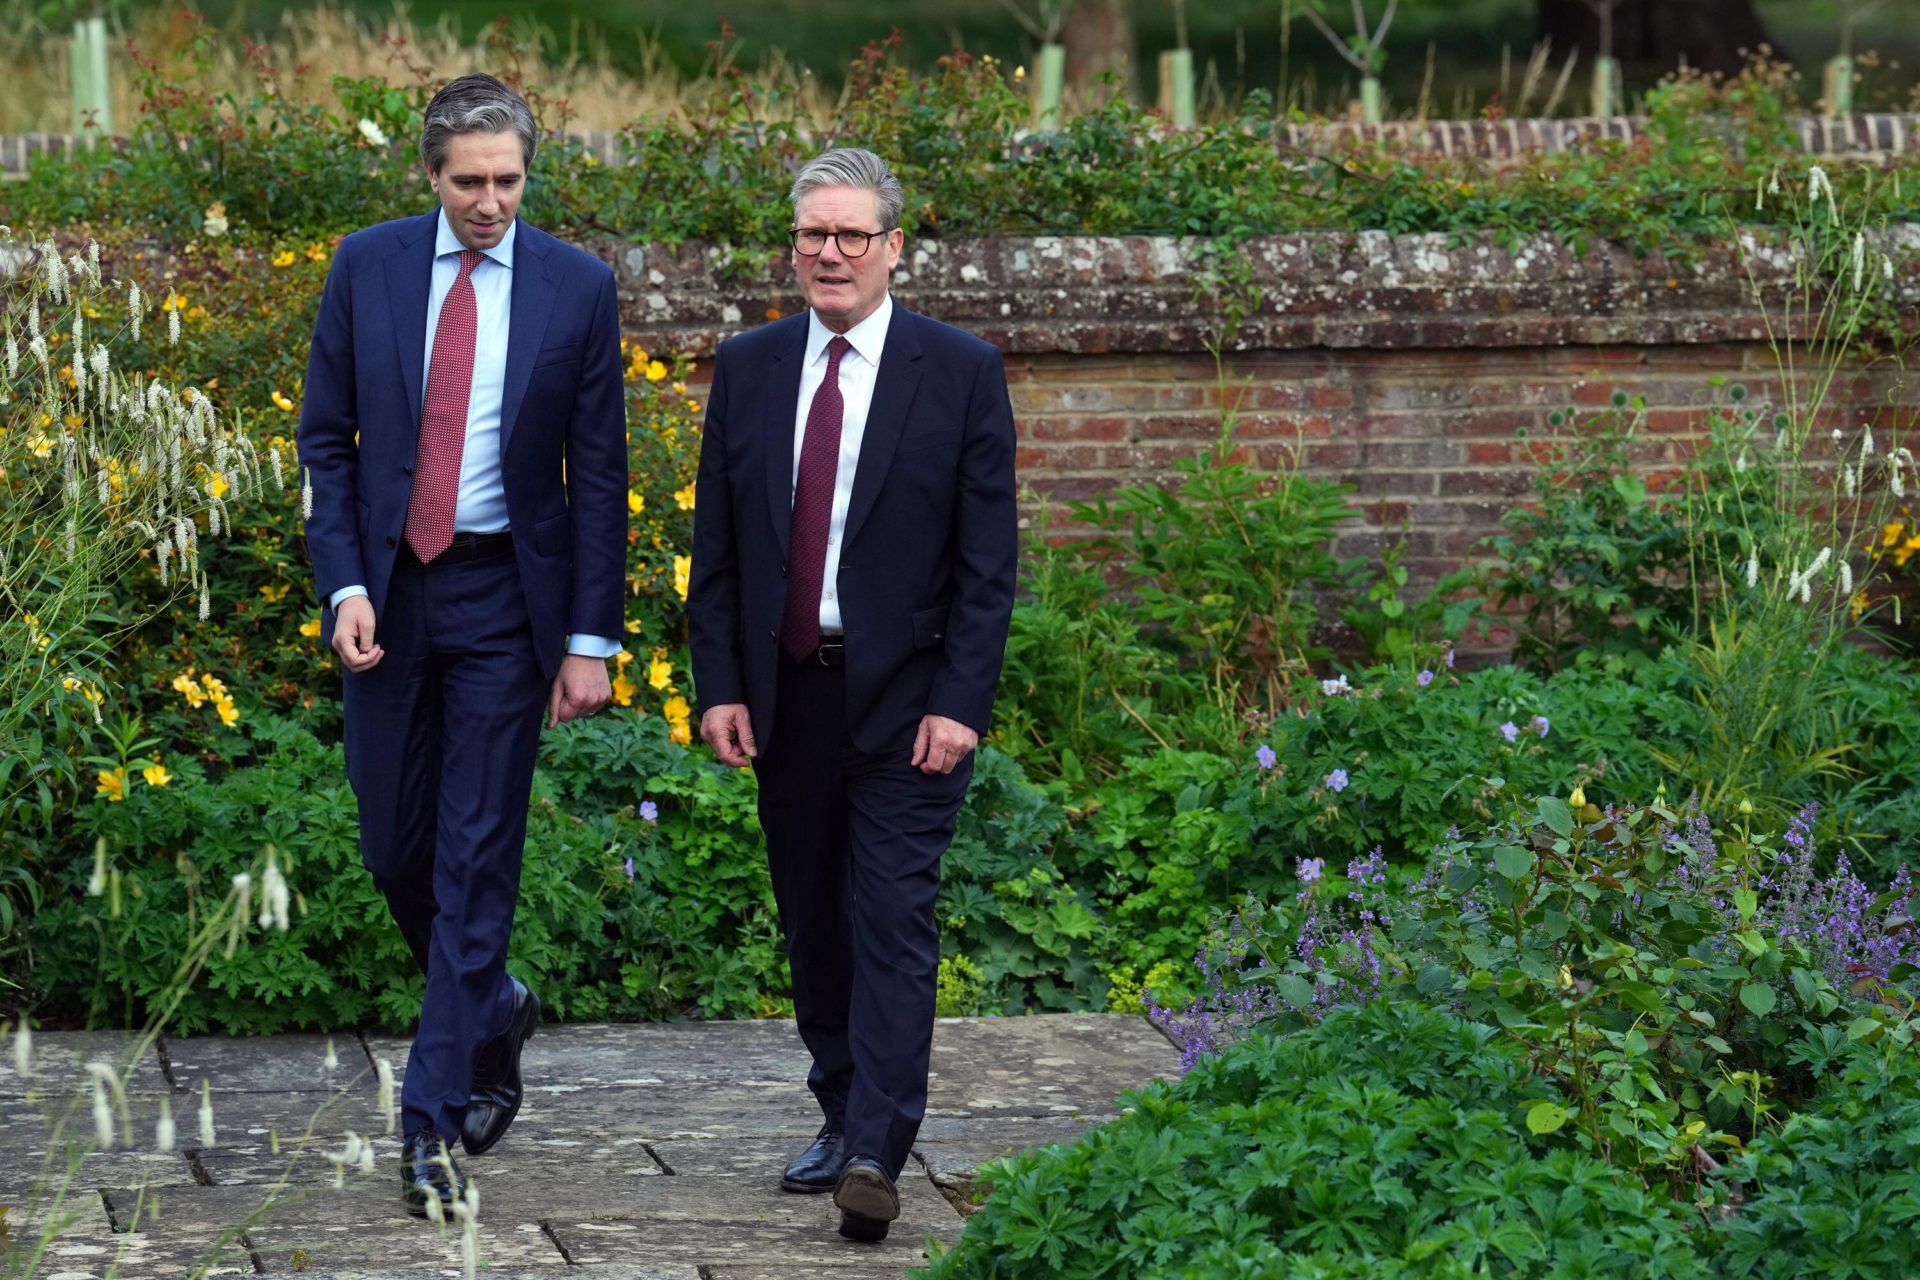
{"points": [[469, 259], [837, 348]]}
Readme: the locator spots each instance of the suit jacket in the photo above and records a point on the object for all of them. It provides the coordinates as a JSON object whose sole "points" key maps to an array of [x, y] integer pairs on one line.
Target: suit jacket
{"points": [[927, 567], [563, 452]]}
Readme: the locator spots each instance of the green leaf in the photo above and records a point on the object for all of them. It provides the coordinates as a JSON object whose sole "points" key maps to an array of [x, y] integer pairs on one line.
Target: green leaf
{"points": [[1758, 999], [1747, 901], [1545, 1117], [1295, 990], [1863, 1029], [1555, 813], [1636, 1043], [1513, 862]]}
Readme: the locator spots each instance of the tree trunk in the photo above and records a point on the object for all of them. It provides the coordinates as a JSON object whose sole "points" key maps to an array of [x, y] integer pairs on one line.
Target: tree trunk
{"points": [[1658, 35], [1099, 38]]}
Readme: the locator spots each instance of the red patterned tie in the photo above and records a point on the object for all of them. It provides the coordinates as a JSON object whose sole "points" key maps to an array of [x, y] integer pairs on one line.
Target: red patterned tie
{"points": [[813, 512], [443, 417]]}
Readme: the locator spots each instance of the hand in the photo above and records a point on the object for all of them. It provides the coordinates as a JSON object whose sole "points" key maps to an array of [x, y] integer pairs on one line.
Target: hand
{"points": [[581, 688], [353, 634], [728, 729], [941, 744]]}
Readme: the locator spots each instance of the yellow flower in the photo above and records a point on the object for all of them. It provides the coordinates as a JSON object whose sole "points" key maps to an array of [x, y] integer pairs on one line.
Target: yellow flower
{"points": [[188, 689], [70, 683], [310, 628], [112, 785], [633, 626], [282, 403], [623, 690], [317, 252], [679, 716], [683, 498], [216, 688], [274, 594], [40, 444], [156, 775], [693, 406], [228, 716], [1859, 604], [659, 673], [174, 302], [217, 487], [656, 371], [636, 502], [284, 258], [682, 572]]}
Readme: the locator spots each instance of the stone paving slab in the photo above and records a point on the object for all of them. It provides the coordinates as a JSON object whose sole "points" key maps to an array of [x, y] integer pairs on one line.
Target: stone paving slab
{"points": [[268, 1064], [60, 1058], [648, 1152]]}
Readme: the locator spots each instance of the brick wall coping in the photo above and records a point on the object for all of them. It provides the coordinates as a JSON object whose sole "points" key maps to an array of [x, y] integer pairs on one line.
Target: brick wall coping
{"points": [[1862, 136], [1368, 290]]}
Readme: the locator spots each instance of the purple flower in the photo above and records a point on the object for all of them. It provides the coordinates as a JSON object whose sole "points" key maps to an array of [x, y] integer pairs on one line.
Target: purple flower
{"points": [[1264, 756], [1310, 869], [1510, 731], [1424, 679], [649, 811], [1337, 780], [1449, 655], [629, 868], [1540, 724]]}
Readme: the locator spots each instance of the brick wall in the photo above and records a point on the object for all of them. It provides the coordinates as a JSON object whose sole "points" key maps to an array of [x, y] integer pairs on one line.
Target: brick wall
{"points": [[1406, 366]]}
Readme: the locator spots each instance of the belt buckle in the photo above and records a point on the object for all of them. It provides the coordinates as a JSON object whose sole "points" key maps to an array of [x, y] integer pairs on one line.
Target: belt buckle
{"points": [[820, 653]]}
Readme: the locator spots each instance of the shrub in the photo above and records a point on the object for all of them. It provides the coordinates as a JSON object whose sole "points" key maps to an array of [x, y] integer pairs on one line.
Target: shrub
{"points": [[1386, 1141]]}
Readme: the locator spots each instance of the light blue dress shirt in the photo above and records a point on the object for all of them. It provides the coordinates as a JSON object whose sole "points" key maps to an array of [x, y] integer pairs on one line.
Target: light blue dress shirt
{"points": [[481, 506]]}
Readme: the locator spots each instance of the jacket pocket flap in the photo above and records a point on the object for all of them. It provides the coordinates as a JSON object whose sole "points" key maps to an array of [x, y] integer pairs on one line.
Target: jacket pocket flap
{"points": [[930, 627], [553, 535]]}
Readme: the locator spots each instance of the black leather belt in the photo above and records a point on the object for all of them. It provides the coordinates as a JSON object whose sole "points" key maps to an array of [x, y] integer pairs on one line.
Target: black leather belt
{"points": [[831, 653], [472, 546]]}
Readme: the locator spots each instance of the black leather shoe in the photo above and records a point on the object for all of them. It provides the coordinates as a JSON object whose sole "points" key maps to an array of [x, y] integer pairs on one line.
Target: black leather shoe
{"points": [[818, 1167], [494, 1098], [867, 1200], [428, 1171]]}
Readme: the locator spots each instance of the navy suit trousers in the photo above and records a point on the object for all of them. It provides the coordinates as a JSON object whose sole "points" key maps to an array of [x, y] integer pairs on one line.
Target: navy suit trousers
{"points": [[854, 841], [441, 737]]}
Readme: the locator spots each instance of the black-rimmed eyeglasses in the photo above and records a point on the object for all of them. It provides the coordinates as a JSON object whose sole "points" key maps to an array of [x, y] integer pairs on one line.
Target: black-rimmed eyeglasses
{"points": [[809, 241]]}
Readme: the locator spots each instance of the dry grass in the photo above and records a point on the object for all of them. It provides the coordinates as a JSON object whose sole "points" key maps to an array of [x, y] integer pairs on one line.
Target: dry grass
{"points": [[328, 42]]}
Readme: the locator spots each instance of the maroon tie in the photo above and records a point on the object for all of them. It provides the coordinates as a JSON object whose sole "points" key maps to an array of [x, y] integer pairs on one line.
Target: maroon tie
{"points": [[443, 417], [813, 511]]}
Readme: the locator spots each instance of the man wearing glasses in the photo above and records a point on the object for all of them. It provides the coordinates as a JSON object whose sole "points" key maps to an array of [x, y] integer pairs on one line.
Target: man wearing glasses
{"points": [[853, 576]]}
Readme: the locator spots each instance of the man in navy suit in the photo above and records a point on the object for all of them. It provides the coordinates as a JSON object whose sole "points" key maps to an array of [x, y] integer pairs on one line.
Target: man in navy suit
{"points": [[853, 577], [464, 434]]}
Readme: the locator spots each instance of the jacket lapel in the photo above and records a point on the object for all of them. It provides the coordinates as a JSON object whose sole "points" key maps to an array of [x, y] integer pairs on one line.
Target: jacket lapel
{"points": [[533, 294], [409, 286], [893, 388], [783, 405]]}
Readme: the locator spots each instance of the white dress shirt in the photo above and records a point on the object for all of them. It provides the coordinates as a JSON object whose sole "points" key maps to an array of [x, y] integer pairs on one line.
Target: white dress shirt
{"points": [[481, 505], [858, 369]]}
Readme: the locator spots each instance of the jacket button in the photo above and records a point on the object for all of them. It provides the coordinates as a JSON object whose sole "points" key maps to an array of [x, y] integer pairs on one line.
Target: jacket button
{"points": [[773, 635], [783, 568], [391, 542]]}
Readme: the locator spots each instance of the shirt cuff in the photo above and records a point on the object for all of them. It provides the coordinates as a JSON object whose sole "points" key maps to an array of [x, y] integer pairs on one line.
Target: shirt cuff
{"points": [[593, 646], [346, 593]]}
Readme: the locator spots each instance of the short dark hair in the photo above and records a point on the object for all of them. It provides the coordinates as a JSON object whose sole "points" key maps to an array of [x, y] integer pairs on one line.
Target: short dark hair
{"points": [[475, 104]]}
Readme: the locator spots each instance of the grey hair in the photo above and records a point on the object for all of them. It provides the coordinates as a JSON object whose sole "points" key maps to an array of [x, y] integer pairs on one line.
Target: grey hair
{"points": [[853, 167], [475, 104]]}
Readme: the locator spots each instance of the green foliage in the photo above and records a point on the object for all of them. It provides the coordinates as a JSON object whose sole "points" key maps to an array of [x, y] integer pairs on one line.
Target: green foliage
{"points": [[959, 139], [1386, 1141], [1219, 573]]}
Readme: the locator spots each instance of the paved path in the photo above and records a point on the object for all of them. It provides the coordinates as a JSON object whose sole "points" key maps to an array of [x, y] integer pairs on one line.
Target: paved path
{"points": [[643, 1152]]}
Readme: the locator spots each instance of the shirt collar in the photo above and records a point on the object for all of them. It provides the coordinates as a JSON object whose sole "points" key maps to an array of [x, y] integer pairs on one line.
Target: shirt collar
{"points": [[445, 242], [868, 338]]}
